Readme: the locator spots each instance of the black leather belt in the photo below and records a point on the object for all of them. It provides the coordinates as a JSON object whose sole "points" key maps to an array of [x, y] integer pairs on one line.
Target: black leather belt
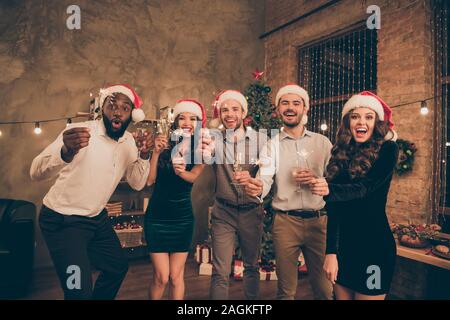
{"points": [[304, 214], [229, 204]]}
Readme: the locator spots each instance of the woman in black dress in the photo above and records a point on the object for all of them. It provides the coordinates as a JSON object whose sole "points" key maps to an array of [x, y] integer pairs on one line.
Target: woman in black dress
{"points": [[361, 250], [169, 220]]}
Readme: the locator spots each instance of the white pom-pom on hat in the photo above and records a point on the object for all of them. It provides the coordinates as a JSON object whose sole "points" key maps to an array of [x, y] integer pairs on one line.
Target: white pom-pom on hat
{"points": [[214, 123], [137, 114]]}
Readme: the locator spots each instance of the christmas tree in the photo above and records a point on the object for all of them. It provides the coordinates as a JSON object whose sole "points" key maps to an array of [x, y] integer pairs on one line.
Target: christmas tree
{"points": [[261, 110], [262, 115]]}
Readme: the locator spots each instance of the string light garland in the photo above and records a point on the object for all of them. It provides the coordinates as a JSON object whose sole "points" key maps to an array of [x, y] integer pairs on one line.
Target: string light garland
{"points": [[37, 123], [422, 101], [37, 128], [324, 126], [424, 110]]}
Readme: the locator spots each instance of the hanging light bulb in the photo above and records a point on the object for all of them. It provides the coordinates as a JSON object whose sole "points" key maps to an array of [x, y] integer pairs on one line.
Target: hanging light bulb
{"points": [[324, 127], [69, 121], [37, 128], [424, 108]]}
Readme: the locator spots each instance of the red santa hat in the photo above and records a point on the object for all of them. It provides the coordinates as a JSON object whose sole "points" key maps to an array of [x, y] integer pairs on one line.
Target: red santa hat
{"points": [[367, 99], [137, 114], [221, 98], [294, 89], [191, 106]]}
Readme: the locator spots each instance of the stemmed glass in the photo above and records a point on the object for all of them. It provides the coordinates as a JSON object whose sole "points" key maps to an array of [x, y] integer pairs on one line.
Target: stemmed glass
{"points": [[163, 128], [301, 164], [144, 129], [237, 166]]}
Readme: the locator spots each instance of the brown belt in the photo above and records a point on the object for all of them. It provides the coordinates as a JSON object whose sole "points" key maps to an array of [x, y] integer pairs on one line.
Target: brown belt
{"points": [[304, 214], [246, 206]]}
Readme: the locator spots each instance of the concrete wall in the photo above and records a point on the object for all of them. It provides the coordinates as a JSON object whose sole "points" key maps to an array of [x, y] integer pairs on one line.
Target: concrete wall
{"points": [[166, 49]]}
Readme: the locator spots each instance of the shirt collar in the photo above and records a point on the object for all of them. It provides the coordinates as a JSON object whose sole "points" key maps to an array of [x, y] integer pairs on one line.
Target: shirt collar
{"points": [[284, 135], [248, 132], [101, 131]]}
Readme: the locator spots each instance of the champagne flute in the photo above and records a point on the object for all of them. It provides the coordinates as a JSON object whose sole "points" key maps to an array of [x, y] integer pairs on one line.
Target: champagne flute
{"points": [[141, 134], [302, 163], [163, 128], [237, 167], [178, 159], [295, 171]]}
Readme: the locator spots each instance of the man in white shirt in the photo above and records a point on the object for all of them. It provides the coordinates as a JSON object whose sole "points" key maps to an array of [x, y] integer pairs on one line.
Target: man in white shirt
{"points": [[89, 159], [293, 160]]}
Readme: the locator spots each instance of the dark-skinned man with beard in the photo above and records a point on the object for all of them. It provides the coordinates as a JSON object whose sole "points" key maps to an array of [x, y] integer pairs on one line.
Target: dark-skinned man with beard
{"points": [[296, 158], [88, 160]]}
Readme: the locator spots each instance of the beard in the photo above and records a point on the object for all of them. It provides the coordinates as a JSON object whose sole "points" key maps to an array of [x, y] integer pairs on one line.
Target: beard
{"points": [[111, 132], [292, 124], [238, 124]]}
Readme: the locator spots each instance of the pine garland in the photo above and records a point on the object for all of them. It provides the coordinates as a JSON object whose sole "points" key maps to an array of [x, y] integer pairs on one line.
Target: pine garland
{"points": [[406, 157]]}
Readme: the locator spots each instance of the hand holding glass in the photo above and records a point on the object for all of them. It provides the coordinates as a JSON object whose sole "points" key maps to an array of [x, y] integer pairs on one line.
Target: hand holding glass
{"points": [[237, 167], [164, 129]]}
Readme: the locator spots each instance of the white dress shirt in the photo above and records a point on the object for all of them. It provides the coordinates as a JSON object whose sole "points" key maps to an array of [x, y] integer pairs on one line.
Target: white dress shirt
{"points": [[279, 158], [85, 185]]}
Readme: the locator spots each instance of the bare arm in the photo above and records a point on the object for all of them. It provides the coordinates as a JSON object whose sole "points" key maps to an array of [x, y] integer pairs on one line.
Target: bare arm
{"points": [[153, 169], [191, 176], [159, 145]]}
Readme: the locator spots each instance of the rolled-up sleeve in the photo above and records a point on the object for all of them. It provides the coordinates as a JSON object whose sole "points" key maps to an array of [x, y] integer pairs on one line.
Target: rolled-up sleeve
{"points": [[48, 163], [268, 165], [327, 149], [137, 173]]}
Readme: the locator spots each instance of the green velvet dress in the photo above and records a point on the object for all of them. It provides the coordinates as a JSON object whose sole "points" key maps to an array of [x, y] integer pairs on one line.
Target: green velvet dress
{"points": [[169, 220]]}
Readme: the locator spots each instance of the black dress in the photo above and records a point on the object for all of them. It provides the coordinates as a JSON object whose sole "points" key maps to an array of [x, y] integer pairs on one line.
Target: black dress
{"points": [[169, 219], [358, 230]]}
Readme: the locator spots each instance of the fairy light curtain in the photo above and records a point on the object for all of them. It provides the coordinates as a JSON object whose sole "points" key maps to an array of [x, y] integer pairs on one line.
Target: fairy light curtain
{"points": [[334, 69], [440, 30]]}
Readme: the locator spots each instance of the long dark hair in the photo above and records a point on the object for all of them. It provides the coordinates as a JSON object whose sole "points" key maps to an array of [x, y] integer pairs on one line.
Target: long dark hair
{"points": [[165, 159], [356, 159]]}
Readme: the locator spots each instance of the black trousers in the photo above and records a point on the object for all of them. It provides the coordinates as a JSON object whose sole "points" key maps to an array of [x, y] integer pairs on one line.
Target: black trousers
{"points": [[76, 242]]}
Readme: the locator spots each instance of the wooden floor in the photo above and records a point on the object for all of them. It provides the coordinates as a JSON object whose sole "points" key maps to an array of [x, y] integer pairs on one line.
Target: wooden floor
{"points": [[135, 286]]}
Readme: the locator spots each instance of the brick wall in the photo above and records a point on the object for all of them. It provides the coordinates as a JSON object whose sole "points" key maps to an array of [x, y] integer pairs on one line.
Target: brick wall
{"points": [[280, 12], [404, 74]]}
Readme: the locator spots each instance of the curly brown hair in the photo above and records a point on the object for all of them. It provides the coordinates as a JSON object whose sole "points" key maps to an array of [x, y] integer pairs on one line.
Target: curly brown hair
{"points": [[357, 159]]}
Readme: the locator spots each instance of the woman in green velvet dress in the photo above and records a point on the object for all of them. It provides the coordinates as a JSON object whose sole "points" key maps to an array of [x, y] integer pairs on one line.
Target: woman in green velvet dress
{"points": [[169, 220]]}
